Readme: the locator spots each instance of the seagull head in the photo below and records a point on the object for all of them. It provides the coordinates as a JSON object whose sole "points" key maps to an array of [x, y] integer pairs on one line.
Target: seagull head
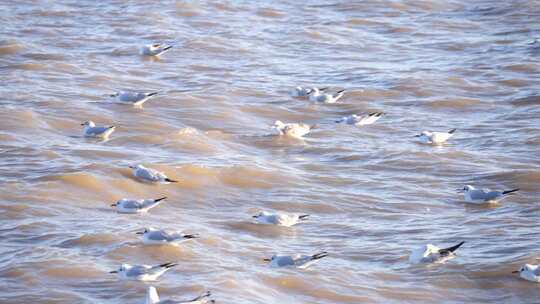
{"points": [[88, 123], [527, 268], [466, 188], [278, 124], [270, 259], [424, 133]]}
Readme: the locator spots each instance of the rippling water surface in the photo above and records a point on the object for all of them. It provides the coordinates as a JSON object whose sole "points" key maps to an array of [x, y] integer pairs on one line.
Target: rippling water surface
{"points": [[373, 192]]}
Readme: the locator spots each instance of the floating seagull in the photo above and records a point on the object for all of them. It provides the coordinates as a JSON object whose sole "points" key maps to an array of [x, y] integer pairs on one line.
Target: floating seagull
{"points": [[303, 92], [90, 130], [152, 297], [136, 206], [156, 49], [134, 98], [150, 175], [529, 272], [428, 137], [279, 218], [479, 196], [361, 120], [316, 96], [152, 236], [297, 130], [433, 254], [297, 260], [142, 272]]}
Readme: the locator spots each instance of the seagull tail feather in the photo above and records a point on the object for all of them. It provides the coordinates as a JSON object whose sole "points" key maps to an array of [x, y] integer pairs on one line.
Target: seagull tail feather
{"points": [[450, 249], [319, 255], [510, 191]]}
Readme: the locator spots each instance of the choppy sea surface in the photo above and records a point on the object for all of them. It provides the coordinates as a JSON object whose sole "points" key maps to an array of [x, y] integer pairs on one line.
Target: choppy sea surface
{"points": [[373, 192]]}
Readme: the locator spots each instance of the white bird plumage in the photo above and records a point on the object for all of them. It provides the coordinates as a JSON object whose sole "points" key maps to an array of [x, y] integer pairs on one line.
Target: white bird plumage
{"points": [[152, 297], [153, 236], [361, 119], [279, 218], [529, 272], [297, 130], [155, 49], [150, 175], [429, 137], [142, 272], [432, 254], [132, 97], [298, 260], [480, 196], [91, 130], [316, 96], [126, 205]]}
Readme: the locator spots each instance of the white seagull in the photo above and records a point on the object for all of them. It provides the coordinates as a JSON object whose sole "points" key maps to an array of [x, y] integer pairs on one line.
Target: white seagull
{"points": [[90, 130], [479, 196], [432, 254], [156, 49], [279, 218], [298, 260], [150, 175], [132, 97], [297, 130], [316, 96], [428, 137], [142, 272], [153, 236], [361, 120], [529, 272], [136, 206], [152, 297]]}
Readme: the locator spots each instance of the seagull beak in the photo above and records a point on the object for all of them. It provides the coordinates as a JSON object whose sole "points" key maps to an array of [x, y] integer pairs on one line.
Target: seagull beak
{"points": [[323, 89], [82, 124], [114, 205], [131, 167], [114, 271], [140, 232], [515, 271], [417, 135], [267, 260], [255, 216]]}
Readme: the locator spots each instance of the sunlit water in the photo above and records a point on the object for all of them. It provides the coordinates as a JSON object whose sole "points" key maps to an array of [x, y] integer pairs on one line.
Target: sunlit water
{"points": [[373, 192]]}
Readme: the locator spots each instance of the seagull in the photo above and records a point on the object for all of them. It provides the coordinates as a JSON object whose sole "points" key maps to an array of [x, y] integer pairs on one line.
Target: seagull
{"points": [[361, 120], [156, 49], [432, 254], [280, 218], [529, 272], [298, 260], [479, 196], [90, 130], [150, 175], [142, 272], [136, 206], [297, 130], [152, 297], [303, 92], [153, 236], [316, 96], [132, 97], [428, 137]]}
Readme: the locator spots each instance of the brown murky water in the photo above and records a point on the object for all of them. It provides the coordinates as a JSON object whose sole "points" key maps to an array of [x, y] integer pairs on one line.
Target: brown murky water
{"points": [[373, 192]]}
